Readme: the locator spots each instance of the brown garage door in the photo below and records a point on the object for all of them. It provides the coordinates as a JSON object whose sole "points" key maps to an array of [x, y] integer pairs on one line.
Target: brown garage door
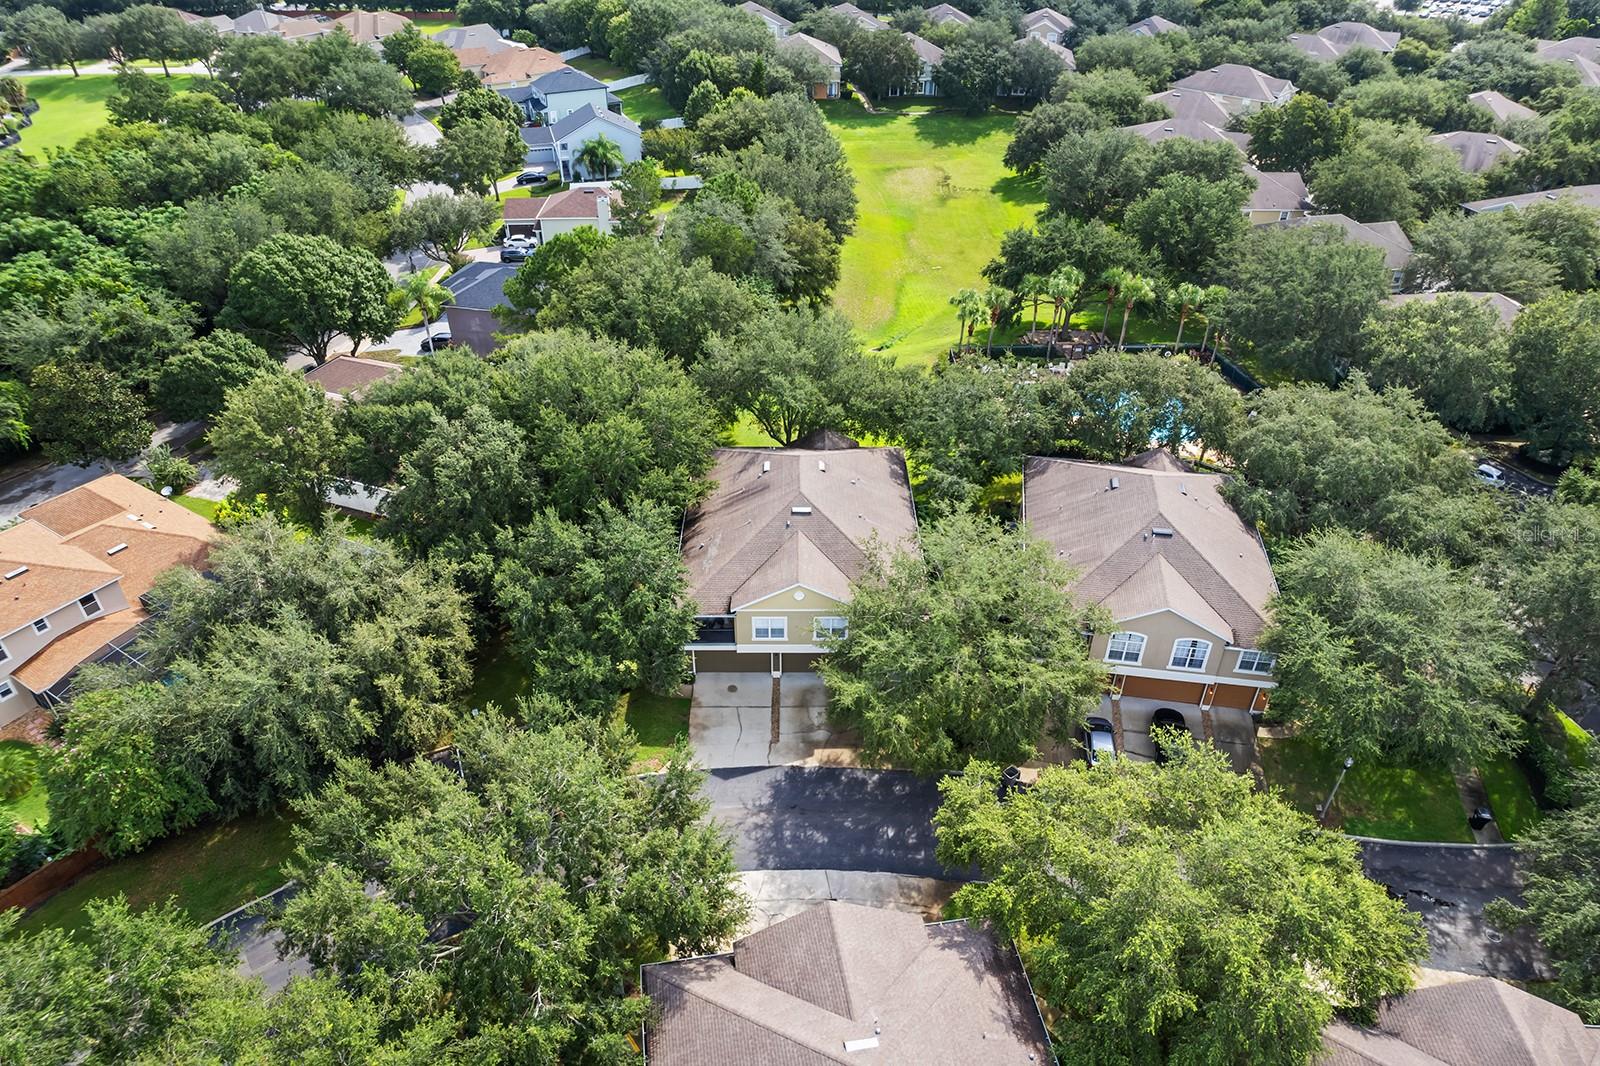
{"points": [[1155, 688], [732, 662], [1240, 696]]}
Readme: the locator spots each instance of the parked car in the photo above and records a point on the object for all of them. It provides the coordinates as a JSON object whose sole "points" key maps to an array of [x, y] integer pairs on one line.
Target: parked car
{"points": [[1167, 718], [532, 177], [515, 249], [436, 342], [1490, 474], [1099, 741]]}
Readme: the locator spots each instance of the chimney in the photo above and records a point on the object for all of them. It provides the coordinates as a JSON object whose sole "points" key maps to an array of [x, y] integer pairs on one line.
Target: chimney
{"points": [[602, 211]]}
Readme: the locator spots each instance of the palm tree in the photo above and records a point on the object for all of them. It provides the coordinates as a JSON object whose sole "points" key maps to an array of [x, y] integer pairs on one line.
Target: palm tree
{"points": [[420, 291], [995, 301], [1213, 300], [1062, 288], [1186, 298], [1113, 279], [968, 305], [1033, 287], [1136, 289], [600, 156]]}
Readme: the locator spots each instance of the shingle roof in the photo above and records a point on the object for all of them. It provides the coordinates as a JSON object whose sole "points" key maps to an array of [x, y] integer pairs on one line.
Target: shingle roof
{"points": [[896, 990], [480, 286], [942, 13], [1476, 1022], [478, 35], [1586, 47], [566, 80], [1211, 565], [346, 375], [66, 653], [581, 202], [765, 13], [570, 124], [1276, 190], [1478, 151], [1504, 306], [504, 66], [1167, 128], [927, 51], [1387, 237], [865, 19], [1047, 16], [1335, 40], [748, 525], [822, 49], [1501, 106], [368, 26], [1152, 26], [1235, 79], [1192, 104], [1583, 194], [1588, 70], [1061, 50]]}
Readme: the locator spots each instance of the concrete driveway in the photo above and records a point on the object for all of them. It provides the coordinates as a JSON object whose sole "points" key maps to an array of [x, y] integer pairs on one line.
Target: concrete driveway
{"points": [[1232, 731], [752, 719]]}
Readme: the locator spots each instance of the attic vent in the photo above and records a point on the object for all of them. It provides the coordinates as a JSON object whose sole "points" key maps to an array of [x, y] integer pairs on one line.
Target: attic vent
{"points": [[799, 509], [822, 466], [1160, 531], [1115, 483], [866, 1043], [133, 518], [115, 548], [1183, 488], [18, 572], [766, 466]]}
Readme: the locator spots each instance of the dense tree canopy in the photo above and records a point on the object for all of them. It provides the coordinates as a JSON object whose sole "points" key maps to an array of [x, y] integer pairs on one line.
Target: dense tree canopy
{"points": [[1452, 352], [997, 663], [1221, 927]]}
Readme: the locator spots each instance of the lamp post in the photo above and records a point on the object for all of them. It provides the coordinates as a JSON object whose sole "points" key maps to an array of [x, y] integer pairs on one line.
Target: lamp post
{"points": [[1322, 811]]}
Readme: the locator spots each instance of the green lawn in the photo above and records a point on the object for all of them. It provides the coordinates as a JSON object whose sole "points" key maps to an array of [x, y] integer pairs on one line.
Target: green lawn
{"points": [[658, 722], [645, 102], [1396, 803], [599, 67], [70, 108], [206, 509], [431, 27], [1510, 796], [28, 809], [934, 202], [1577, 740], [210, 870]]}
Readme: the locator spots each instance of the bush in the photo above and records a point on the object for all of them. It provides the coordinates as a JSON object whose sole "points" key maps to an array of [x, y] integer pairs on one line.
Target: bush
{"points": [[17, 773], [171, 470]]}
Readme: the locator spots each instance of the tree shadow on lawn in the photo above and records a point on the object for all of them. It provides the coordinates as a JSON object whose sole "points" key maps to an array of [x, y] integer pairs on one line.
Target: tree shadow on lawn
{"points": [[942, 129], [1015, 189]]}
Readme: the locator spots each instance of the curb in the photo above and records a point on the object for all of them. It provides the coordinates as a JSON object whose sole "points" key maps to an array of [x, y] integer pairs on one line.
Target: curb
{"points": [[1428, 843]]}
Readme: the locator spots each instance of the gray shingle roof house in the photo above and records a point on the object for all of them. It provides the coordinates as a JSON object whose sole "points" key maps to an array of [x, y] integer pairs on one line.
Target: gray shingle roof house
{"points": [[1387, 237], [1473, 1022], [1279, 195], [1166, 128], [1152, 27], [1333, 41], [1588, 195], [1503, 305], [1584, 47], [566, 80], [775, 22], [1478, 151], [1191, 104], [478, 35], [843, 983], [475, 291], [1047, 24], [1501, 106], [1237, 87], [939, 14], [865, 19]]}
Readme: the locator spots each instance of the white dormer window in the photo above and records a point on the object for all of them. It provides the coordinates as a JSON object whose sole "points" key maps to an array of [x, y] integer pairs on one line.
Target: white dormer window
{"points": [[1125, 648], [41, 625], [90, 605], [1190, 654]]}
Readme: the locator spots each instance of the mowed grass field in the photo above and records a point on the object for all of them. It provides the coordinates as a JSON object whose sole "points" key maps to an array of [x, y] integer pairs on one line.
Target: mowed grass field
{"points": [[70, 108], [935, 199]]}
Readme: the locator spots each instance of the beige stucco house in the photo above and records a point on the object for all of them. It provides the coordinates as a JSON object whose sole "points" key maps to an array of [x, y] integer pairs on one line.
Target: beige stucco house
{"points": [[1185, 581], [72, 572], [772, 551]]}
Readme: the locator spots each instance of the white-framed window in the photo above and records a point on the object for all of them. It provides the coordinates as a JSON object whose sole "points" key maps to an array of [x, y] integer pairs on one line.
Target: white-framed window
{"points": [[90, 605], [1283, 216], [1125, 648], [4, 655], [1190, 654], [772, 628], [41, 625], [6, 691], [1255, 662], [830, 626]]}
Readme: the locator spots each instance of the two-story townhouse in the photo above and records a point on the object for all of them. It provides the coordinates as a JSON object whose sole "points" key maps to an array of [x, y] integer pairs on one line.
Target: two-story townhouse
{"points": [[1185, 581], [930, 55], [1237, 88], [72, 572], [1387, 237], [772, 551], [828, 61], [775, 23], [1048, 25]]}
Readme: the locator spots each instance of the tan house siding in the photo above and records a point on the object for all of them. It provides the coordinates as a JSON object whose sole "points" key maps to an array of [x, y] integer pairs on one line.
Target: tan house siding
{"points": [[801, 614], [25, 642], [1161, 631]]}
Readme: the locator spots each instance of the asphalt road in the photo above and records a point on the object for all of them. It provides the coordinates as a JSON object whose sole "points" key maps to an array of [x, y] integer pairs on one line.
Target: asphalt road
{"points": [[829, 818]]}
